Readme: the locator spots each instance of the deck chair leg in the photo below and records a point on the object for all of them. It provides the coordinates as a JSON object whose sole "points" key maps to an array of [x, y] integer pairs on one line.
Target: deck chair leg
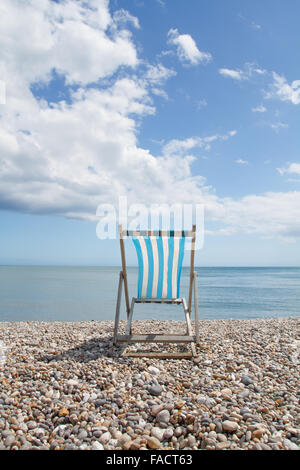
{"points": [[117, 317], [189, 325], [185, 310], [129, 320], [196, 308]]}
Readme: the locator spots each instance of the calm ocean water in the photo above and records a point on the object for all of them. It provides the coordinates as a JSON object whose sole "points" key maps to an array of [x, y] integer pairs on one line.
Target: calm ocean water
{"points": [[89, 293]]}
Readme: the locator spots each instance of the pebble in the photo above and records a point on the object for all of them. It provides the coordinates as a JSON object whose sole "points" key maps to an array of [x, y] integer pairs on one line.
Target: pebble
{"points": [[153, 370], [178, 431], [62, 412], [222, 445], [191, 440], [230, 426], [218, 426], [163, 417], [82, 435], [168, 433], [159, 433], [9, 440], [156, 409], [179, 404], [246, 380], [105, 438], [226, 393], [31, 424], [258, 433], [290, 445], [67, 387], [155, 390], [153, 443], [123, 439], [97, 446]]}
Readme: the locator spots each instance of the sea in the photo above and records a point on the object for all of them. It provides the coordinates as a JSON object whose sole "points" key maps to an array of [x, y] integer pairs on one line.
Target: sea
{"points": [[51, 293]]}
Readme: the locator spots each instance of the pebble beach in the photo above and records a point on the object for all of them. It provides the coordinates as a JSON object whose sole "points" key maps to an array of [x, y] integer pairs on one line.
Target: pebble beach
{"points": [[63, 385]]}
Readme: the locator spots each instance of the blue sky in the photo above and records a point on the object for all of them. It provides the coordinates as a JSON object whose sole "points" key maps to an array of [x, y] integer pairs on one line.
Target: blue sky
{"points": [[162, 101]]}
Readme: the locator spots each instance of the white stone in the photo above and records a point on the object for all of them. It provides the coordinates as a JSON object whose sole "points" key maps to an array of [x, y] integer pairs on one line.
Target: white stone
{"points": [[153, 370], [105, 437], [290, 445], [158, 433], [168, 433], [97, 446], [72, 382]]}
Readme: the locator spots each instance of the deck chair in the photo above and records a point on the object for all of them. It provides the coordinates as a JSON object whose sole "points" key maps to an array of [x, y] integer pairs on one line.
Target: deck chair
{"points": [[160, 256]]}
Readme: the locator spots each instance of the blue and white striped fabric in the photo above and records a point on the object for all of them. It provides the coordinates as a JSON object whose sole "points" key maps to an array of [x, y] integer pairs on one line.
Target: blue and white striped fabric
{"points": [[160, 261]]}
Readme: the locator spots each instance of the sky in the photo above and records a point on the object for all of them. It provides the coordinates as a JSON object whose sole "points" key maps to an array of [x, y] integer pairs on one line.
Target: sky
{"points": [[161, 101]]}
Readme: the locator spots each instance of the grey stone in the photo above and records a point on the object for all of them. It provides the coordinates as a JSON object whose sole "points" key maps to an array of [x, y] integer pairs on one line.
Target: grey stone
{"points": [[104, 439], [9, 440], [168, 433], [246, 380], [155, 390], [82, 435], [163, 416], [290, 445]]}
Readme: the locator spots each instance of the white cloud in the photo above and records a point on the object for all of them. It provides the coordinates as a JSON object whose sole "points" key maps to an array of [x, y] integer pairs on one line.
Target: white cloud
{"points": [[187, 49], [242, 162], [278, 125], [67, 157], [293, 168], [255, 25], [265, 215], [252, 24], [285, 92], [123, 16], [2, 92], [250, 69], [232, 133], [70, 37], [235, 74], [176, 146], [259, 109], [200, 104], [160, 92], [259, 71], [158, 74]]}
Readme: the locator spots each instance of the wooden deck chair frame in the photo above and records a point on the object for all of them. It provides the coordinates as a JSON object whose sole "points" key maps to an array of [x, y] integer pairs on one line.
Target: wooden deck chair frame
{"points": [[189, 337]]}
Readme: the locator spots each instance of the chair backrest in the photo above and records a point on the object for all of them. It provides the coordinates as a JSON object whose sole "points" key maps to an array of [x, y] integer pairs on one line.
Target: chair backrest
{"points": [[160, 255]]}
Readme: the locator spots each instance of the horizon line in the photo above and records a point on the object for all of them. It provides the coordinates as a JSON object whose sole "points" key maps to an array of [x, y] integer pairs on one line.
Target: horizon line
{"points": [[136, 266]]}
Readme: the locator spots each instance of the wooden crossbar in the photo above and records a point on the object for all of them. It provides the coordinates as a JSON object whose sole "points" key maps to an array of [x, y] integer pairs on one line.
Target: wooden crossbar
{"points": [[155, 338], [142, 300], [157, 233], [159, 355]]}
